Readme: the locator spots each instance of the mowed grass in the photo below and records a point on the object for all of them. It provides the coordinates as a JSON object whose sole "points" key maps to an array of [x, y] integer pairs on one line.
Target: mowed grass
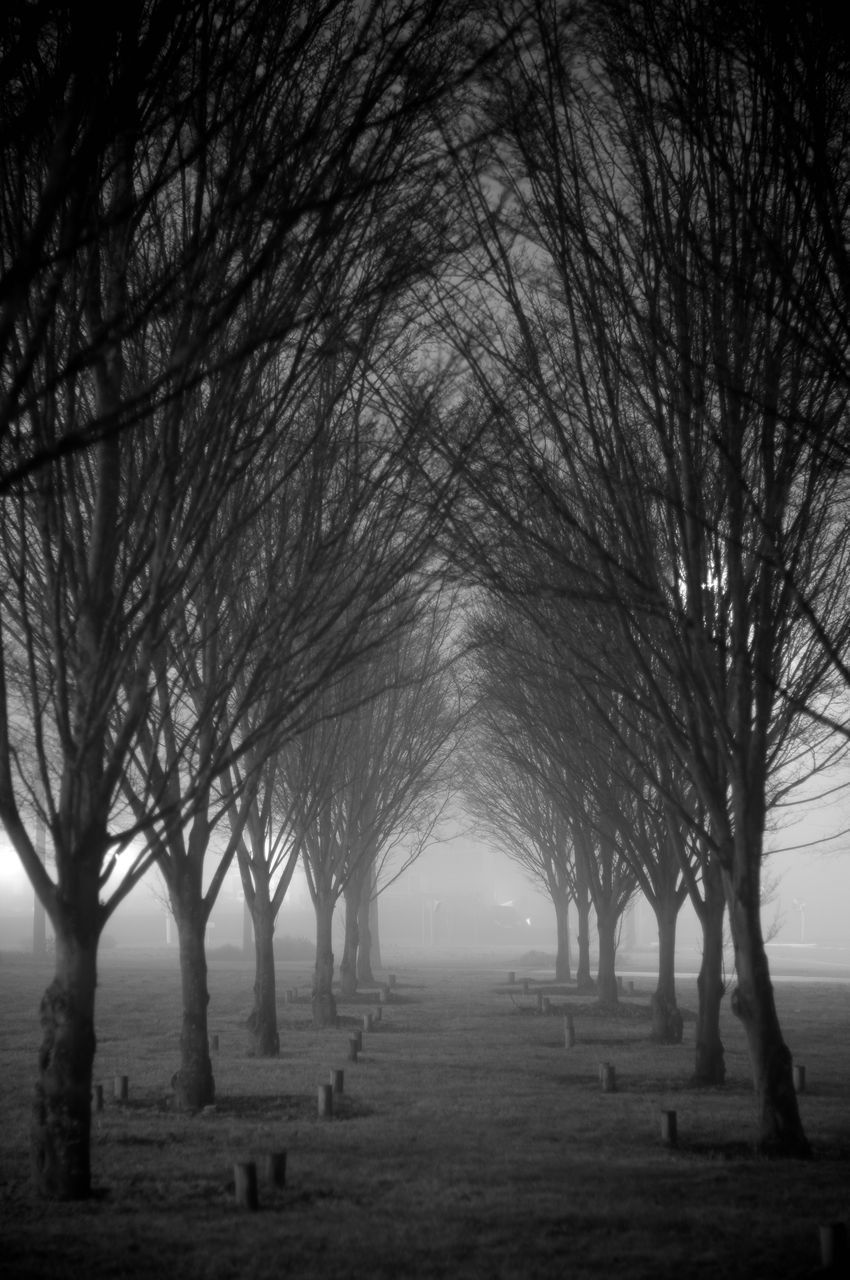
{"points": [[468, 1140]]}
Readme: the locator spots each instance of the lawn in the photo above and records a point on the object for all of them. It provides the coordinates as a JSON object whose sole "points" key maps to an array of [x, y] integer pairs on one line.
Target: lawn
{"points": [[469, 1141]]}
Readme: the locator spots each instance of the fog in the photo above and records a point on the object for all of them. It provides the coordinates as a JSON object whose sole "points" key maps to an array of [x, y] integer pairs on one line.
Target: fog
{"points": [[465, 898]]}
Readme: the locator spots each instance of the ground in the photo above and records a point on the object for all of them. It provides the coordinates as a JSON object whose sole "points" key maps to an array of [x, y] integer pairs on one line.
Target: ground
{"points": [[468, 1141]]}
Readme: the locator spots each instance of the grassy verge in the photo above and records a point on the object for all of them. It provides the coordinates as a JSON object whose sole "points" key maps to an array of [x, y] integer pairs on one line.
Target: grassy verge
{"points": [[468, 1140]]}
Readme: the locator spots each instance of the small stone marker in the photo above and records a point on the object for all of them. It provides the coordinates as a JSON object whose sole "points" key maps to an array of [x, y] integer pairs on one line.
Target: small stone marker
{"points": [[97, 1097], [245, 1184], [569, 1032], [337, 1079], [607, 1077], [353, 1048], [121, 1088], [669, 1128], [834, 1251], [800, 1078], [326, 1101], [274, 1168]]}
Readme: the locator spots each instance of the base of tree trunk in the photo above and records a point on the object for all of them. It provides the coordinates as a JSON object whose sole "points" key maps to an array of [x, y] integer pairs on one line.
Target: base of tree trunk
{"points": [[667, 1025], [324, 1010]]}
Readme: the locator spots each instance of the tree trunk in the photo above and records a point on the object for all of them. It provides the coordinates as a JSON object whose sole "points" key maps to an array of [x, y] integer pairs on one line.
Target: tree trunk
{"points": [[366, 903], [606, 976], [61, 1114], [348, 965], [563, 972], [265, 1041], [584, 980], [193, 1084], [374, 926], [780, 1128], [324, 1005], [710, 1064], [666, 1018]]}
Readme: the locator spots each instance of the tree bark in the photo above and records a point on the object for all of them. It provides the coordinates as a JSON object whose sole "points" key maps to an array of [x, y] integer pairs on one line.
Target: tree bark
{"points": [[365, 907], [780, 1129], [193, 1084], [61, 1114], [710, 1064], [584, 980], [563, 972], [666, 1018], [265, 1040], [348, 964], [606, 976], [324, 1004]]}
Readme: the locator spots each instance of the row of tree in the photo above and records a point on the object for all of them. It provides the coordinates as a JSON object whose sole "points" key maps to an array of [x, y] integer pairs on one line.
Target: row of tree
{"points": [[304, 306]]}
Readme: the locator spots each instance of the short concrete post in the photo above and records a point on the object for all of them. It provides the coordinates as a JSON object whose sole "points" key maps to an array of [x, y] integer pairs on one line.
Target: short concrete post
{"points": [[245, 1182], [631, 987], [326, 1101], [511, 978], [214, 1042], [608, 1077], [274, 1168], [121, 1088], [547, 1005], [97, 1097], [539, 1001], [669, 1128], [619, 984], [391, 979], [337, 1079], [353, 1048], [384, 995], [834, 1252], [569, 1032], [367, 1022], [525, 986], [358, 1036], [800, 1078], [377, 1014]]}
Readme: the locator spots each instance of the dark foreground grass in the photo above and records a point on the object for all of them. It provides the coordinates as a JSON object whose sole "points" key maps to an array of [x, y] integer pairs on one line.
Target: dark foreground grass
{"points": [[469, 1141]]}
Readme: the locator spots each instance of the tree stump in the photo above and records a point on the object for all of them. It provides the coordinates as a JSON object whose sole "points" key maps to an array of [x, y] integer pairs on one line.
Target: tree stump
{"points": [[337, 1079], [97, 1097], [245, 1184], [274, 1168], [608, 1077], [800, 1078], [121, 1088], [669, 1130], [326, 1101], [353, 1048], [569, 1032], [834, 1251]]}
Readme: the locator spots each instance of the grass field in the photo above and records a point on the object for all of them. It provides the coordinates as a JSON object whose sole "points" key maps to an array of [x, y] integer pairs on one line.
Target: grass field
{"points": [[468, 1141]]}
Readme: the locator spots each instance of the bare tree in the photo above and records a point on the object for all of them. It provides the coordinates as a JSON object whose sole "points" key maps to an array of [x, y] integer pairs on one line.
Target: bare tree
{"points": [[368, 777], [162, 244], [658, 392]]}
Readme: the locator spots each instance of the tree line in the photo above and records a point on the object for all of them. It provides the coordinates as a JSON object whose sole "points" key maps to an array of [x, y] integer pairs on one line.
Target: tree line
{"points": [[341, 339]]}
